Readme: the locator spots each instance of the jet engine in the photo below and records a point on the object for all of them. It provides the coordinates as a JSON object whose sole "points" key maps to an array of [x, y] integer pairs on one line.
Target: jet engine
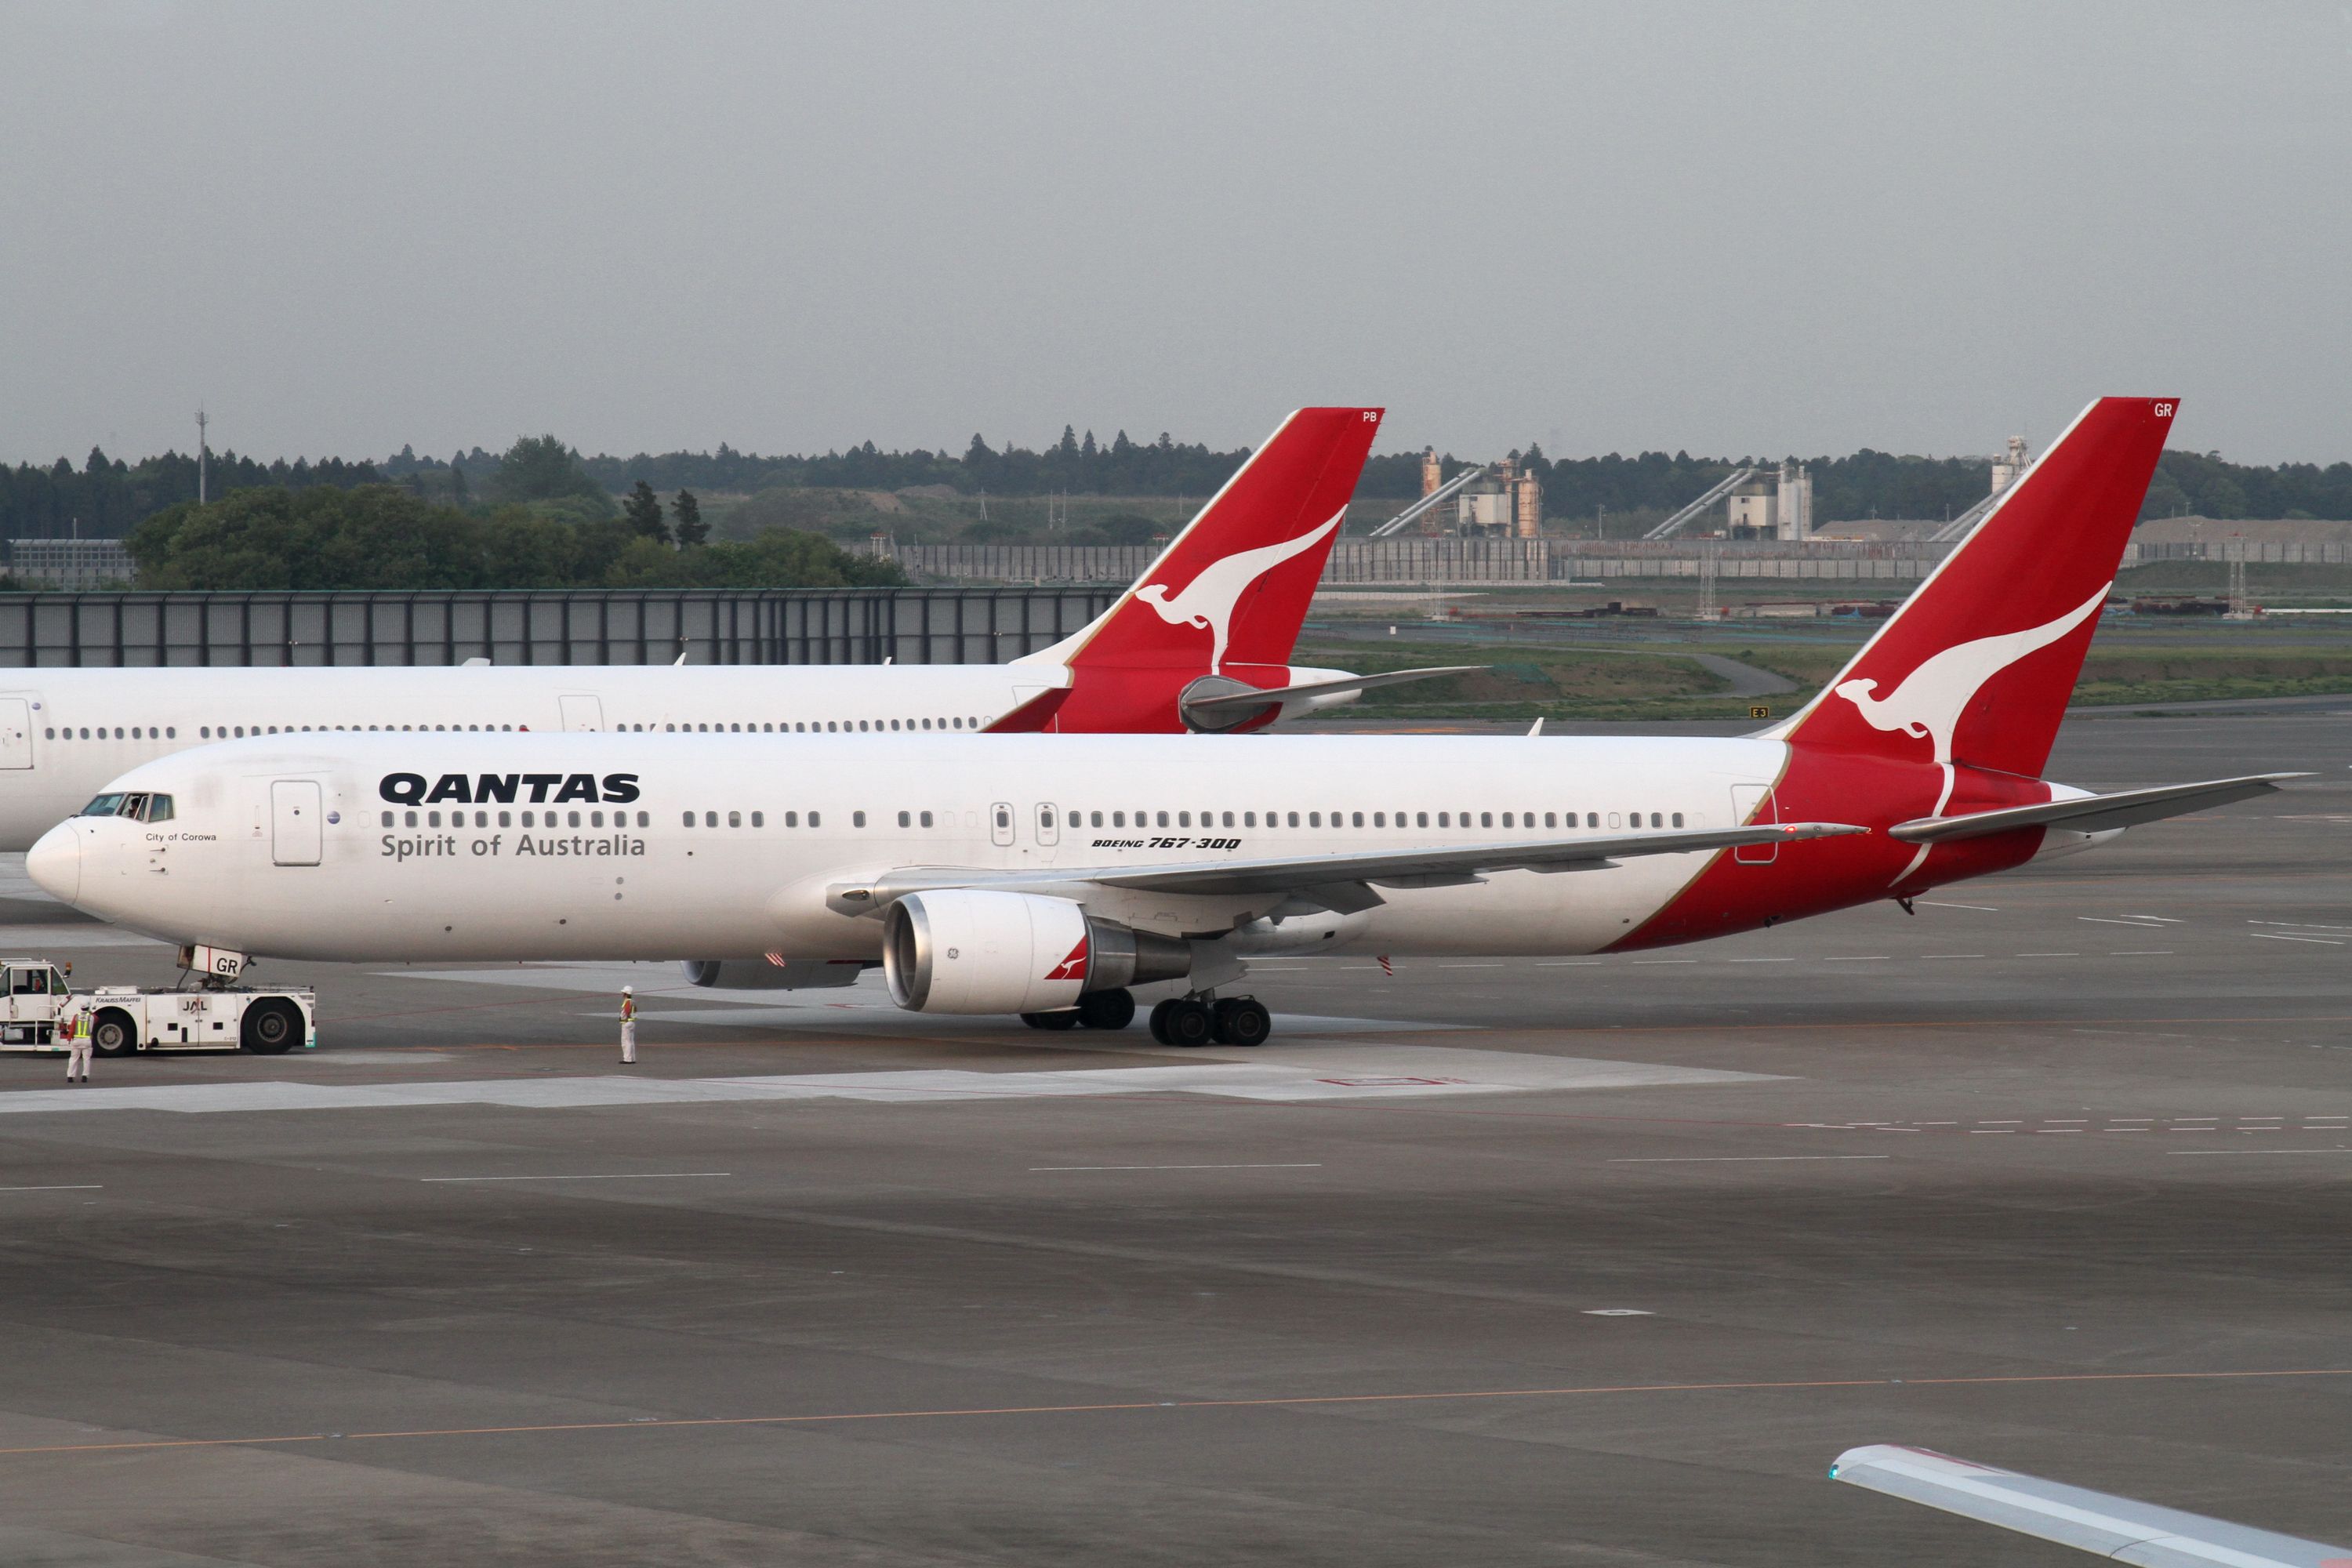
{"points": [[970, 950]]}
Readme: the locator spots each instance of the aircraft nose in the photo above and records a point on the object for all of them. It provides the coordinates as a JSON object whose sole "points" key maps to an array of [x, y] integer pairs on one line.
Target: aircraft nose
{"points": [[54, 862]]}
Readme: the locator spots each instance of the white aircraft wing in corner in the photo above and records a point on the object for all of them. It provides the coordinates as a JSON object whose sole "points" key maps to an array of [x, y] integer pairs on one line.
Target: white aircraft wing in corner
{"points": [[2121, 1529]]}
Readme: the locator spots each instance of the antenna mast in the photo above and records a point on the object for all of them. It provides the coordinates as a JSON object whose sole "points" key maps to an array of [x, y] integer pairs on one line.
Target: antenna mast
{"points": [[204, 456]]}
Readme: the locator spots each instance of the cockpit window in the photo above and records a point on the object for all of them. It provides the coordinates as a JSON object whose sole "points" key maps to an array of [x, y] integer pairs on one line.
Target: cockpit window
{"points": [[159, 808], [104, 806]]}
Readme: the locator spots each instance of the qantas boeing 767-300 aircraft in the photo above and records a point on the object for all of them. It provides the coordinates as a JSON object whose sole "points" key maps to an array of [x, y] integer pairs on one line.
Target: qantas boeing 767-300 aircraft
{"points": [[1045, 876], [1201, 641]]}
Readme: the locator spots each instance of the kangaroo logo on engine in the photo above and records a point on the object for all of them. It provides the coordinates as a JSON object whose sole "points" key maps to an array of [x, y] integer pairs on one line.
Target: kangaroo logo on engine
{"points": [[505, 789]]}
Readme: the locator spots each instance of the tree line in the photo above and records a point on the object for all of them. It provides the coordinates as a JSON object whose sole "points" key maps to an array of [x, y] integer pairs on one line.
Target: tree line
{"points": [[542, 523], [106, 496]]}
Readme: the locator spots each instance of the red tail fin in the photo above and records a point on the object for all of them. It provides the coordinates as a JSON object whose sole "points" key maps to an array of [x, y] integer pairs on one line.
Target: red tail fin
{"points": [[1234, 587], [1977, 666]]}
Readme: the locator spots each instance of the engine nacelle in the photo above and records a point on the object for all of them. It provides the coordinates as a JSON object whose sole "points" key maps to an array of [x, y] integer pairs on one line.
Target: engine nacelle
{"points": [[972, 950], [768, 974]]}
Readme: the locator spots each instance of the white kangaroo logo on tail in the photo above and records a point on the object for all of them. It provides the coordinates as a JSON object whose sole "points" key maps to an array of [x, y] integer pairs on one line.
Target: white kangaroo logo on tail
{"points": [[1208, 601], [1931, 699]]}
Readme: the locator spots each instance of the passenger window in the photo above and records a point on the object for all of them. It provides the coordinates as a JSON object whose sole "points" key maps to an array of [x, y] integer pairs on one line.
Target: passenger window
{"points": [[505, 819], [906, 820], [1118, 819], [792, 819], [409, 819], [1358, 821], [387, 819], [1678, 820], [1314, 819], [1613, 819], [1249, 819], [432, 819], [1442, 821], [526, 819], [595, 819], [1294, 819], [734, 819], [1095, 817], [1655, 820], [816, 820], [709, 819], [926, 818], [856, 819], [1183, 819], [644, 819], [570, 819]]}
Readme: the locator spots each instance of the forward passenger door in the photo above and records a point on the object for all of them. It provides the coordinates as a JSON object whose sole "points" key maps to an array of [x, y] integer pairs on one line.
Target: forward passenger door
{"points": [[294, 831]]}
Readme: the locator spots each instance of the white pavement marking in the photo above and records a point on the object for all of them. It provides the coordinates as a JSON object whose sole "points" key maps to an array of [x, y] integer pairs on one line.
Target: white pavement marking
{"points": [[1735, 1159], [1619, 1312], [1860, 958], [71, 1187], [2282, 936], [1951, 955], [1986, 908], [2104, 920], [1763, 961], [1288, 1166], [1312, 1074], [604, 1176], [863, 1009], [2300, 925], [2143, 952], [2198, 1152]]}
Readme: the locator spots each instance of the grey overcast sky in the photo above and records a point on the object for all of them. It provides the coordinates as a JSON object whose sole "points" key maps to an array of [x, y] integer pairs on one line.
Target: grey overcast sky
{"points": [[1733, 228]]}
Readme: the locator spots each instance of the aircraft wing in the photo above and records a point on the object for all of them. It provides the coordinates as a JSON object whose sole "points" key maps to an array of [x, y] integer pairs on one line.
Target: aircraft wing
{"points": [[1343, 881], [1215, 709], [2121, 1529], [2094, 813]]}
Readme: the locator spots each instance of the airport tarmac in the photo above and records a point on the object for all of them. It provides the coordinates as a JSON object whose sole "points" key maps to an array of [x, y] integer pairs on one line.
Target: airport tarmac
{"points": [[1548, 1261]]}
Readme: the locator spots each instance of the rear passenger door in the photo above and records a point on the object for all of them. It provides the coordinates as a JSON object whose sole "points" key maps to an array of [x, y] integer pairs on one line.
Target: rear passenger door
{"points": [[295, 830], [581, 711]]}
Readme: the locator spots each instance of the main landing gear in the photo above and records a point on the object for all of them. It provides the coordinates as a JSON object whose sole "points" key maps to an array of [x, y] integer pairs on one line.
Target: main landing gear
{"points": [[1191, 1021], [1179, 1021]]}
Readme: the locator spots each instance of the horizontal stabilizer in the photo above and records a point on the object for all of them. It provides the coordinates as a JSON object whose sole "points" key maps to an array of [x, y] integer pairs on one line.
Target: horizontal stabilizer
{"points": [[2091, 812], [2123, 1530], [1215, 709], [1313, 873]]}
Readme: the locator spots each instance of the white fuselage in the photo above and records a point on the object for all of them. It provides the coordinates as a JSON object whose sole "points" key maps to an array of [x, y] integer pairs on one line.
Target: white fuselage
{"points": [[675, 845]]}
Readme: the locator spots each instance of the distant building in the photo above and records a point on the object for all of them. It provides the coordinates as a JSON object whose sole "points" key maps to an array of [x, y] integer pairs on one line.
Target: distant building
{"points": [[2006, 467], [70, 564], [1773, 506], [1501, 503]]}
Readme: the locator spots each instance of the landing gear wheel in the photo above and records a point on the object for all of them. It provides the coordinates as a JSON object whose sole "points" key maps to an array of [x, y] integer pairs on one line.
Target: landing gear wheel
{"points": [[1159, 1022], [112, 1034], [1189, 1023], [1243, 1021], [1107, 1010], [1064, 1018], [271, 1027]]}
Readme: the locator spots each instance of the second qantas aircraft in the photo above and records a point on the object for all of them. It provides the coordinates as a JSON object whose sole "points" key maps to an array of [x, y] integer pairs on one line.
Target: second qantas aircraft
{"points": [[1201, 641]]}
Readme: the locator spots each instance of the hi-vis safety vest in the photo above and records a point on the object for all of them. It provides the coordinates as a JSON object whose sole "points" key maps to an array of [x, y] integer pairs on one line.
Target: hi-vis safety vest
{"points": [[628, 1009], [69, 1028]]}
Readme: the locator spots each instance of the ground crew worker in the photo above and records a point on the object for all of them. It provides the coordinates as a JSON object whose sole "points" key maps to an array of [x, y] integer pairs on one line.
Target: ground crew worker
{"points": [[75, 1032], [628, 1025]]}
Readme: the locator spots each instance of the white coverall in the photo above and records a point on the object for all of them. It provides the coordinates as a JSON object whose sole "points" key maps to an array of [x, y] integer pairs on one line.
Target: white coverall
{"points": [[75, 1027], [628, 1030]]}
